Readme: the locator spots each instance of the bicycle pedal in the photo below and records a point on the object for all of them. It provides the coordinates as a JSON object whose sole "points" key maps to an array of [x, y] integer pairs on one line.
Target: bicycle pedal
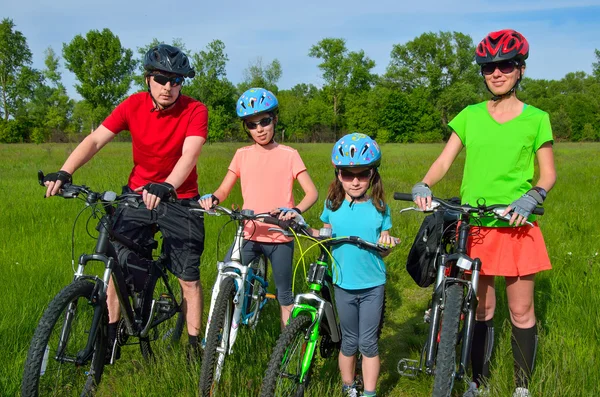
{"points": [[270, 296], [408, 368]]}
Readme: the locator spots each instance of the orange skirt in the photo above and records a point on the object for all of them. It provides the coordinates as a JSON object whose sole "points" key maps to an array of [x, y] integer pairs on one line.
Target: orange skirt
{"points": [[509, 251]]}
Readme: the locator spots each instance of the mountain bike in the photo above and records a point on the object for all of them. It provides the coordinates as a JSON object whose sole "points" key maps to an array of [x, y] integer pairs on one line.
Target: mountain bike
{"points": [[238, 296], [454, 298], [68, 350], [313, 321]]}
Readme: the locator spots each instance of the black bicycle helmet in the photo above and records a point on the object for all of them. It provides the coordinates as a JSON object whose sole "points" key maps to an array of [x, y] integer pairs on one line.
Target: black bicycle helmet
{"points": [[168, 59]]}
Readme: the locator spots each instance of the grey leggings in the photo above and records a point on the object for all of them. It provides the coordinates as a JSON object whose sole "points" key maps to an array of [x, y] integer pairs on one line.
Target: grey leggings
{"points": [[360, 313], [280, 255]]}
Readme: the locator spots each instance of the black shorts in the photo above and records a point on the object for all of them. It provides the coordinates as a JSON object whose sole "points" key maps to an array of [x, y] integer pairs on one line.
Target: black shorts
{"points": [[182, 232]]}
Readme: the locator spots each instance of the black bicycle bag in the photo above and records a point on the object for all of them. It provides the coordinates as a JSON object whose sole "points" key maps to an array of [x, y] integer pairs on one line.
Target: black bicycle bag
{"points": [[425, 250]]}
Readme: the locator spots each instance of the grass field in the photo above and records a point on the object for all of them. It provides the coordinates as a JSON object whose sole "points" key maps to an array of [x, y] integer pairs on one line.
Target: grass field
{"points": [[35, 256]]}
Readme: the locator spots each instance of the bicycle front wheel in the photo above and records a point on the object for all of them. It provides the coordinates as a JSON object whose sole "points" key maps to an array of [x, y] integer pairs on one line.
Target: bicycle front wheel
{"points": [[445, 363], [285, 374], [217, 339], [167, 334], [255, 294], [57, 363]]}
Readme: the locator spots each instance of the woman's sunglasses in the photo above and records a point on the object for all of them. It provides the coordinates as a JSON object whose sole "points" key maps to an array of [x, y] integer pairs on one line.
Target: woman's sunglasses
{"points": [[163, 80], [505, 67], [348, 176], [262, 122]]}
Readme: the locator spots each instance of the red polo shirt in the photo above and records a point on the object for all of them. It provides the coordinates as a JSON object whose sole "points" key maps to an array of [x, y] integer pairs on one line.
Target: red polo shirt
{"points": [[157, 137]]}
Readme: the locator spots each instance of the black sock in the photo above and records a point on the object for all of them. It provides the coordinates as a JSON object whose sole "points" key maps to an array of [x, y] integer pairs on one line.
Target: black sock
{"points": [[112, 331], [524, 347], [193, 339], [481, 350]]}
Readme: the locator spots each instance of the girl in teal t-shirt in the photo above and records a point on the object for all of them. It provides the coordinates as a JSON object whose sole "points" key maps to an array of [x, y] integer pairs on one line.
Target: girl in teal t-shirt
{"points": [[359, 276], [502, 138]]}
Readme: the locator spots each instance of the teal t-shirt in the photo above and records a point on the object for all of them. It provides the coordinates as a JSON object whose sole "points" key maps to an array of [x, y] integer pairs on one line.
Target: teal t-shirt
{"points": [[499, 162], [354, 267]]}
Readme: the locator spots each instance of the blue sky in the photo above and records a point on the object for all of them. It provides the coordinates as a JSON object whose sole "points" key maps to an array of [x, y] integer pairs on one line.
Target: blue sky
{"points": [[562, 34]]}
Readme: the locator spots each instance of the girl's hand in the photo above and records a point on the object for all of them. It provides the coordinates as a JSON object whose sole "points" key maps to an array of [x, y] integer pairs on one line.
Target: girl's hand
{"points": [[387, 241], [208, 201]]}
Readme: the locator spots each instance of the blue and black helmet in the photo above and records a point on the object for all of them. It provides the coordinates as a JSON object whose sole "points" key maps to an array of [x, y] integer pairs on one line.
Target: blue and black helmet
{"points": [[256, 101], [356, 150]]}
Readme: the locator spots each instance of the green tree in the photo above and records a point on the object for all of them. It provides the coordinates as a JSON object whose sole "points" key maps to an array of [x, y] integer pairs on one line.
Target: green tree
{"points": [[138, 78], [211, 86], [434, 61], [50, 107], [102, 66], [16, 77], [596, 65], [259, 75]]}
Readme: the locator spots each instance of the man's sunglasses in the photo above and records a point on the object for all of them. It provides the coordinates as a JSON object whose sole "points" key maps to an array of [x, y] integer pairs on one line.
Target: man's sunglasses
{"points": [[505, 67], [163, 80], [348, 176], [262, 122]]}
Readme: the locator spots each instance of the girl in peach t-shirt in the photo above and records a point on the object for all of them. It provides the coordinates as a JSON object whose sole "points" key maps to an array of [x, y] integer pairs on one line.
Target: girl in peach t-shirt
{"points": [[267, 171]]}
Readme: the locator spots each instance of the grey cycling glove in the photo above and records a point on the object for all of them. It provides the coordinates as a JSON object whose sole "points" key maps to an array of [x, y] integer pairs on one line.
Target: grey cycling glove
{"points": [[421, 189], [524, 205]]}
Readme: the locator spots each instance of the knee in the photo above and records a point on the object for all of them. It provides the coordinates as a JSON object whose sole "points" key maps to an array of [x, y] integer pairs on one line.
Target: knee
{"points": [[190, 287], [522, 315], [368, 347], [349, 345], [485, 311]]}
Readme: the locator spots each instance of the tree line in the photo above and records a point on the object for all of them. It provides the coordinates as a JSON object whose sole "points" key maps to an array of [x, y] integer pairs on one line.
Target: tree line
{"points": [[426, 83]]}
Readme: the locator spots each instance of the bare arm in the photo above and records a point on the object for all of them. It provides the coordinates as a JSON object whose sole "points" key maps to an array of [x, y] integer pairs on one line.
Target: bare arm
{"points": [[440, 167], [222, 192], [310, 192], [545, 158], [192, 147], [82, 154]]}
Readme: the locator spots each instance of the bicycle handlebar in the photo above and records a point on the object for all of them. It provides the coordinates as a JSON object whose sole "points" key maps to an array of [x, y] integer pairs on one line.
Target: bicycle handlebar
{"points": [[463, 208]]}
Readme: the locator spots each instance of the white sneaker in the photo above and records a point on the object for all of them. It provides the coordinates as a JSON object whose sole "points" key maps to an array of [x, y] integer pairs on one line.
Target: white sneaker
{"points": [[521, 392]]}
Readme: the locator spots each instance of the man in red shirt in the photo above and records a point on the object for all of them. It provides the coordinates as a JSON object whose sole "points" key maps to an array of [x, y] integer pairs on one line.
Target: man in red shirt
{"points": [[168, 130]]}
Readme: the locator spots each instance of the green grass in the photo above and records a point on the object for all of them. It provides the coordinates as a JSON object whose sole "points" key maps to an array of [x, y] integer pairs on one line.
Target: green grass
{"points": [[35, 256]]}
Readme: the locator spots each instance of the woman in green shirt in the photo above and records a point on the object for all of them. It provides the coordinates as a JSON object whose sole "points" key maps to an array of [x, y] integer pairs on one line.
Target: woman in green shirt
{"points": [[502, 137]]}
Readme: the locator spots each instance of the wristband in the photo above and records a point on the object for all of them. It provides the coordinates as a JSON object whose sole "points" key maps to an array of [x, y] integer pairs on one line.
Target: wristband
{"points": [[543, 193], [297, 210]]}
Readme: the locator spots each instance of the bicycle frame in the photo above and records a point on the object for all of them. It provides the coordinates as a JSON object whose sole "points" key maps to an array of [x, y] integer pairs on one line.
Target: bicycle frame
{"points": [[243, 276]]}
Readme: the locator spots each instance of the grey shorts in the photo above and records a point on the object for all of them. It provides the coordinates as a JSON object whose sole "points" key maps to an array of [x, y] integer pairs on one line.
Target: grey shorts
{"points": [[281, 256], [182, 232], [360, 314]]}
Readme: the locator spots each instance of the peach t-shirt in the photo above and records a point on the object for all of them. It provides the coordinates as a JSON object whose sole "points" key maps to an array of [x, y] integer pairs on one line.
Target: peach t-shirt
{"points": [[267, 178]]}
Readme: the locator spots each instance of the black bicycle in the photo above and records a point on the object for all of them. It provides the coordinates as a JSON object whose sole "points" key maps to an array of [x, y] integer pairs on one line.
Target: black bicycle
{"points": [[68, 350], [454, 298]]}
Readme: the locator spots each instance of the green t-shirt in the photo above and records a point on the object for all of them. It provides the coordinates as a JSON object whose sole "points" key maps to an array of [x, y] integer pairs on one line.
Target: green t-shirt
{"points": [[499, 163]]}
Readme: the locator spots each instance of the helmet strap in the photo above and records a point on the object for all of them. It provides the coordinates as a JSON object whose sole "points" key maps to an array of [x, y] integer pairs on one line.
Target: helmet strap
{"points": [[507, 94]]}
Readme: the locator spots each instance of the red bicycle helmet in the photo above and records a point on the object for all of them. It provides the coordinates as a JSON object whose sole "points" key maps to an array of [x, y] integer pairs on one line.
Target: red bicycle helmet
{"points": [[502, 45]]}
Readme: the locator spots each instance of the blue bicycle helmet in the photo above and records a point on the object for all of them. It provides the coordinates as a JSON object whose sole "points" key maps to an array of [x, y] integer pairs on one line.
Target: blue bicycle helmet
{"points": [[356, 150], [255, 101]]}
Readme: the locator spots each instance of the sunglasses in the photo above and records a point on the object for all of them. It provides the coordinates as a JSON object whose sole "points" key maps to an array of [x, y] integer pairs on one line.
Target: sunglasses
{"points": [[348, 176], [163, 80], [262, 122], [504, 67]]}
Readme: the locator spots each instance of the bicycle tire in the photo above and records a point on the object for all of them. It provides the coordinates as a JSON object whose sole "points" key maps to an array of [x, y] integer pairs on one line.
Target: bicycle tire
{"points": [[445, 363], [291, 340], [163, 338], [44, 374], [217, 339], [256, 289]]}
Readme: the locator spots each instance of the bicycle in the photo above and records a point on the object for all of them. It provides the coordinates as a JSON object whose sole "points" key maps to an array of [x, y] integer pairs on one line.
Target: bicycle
{"points": [[68, 350], [454, 298], [313, 317], [238, 296]]}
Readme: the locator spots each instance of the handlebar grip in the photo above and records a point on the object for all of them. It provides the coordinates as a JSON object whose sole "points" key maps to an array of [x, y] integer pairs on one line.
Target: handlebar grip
{"points": [[403, 196], [190, 203], [276, 221], [538, 211]]}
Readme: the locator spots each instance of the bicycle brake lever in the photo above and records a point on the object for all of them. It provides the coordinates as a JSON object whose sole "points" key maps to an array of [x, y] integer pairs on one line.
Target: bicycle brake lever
{"points": [[286, 233], [498, 212]]}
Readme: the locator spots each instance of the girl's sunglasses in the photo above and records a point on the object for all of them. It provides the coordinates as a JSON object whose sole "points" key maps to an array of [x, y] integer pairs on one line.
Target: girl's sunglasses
{"points": [[262, 122], [505, 67], [348, 176], [163, 80]]}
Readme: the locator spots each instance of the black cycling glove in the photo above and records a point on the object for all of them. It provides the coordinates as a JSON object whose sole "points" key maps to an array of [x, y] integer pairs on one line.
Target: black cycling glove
{"points": [[165, 191], [63, 176]]}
